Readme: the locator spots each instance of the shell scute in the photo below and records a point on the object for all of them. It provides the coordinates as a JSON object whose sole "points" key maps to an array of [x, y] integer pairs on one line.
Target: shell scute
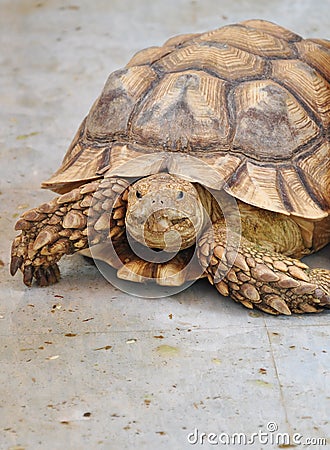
{"points": [[251, 40], [316, 166], [185, 111], [307, 84], [270, 123], [110, 114], [316, 55], [221, 60], [148, 56], [273, 29]]}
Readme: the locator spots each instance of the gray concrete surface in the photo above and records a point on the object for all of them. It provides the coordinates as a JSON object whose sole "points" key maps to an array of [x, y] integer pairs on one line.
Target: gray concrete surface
{"points": [[83, 365]]}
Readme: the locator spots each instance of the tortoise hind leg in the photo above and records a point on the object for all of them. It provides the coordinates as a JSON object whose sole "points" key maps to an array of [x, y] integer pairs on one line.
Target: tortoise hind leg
{"points": [[66, 225], [261, 278]]}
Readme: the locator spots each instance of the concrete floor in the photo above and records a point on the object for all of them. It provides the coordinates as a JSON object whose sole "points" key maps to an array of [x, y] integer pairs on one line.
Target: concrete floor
{"points": [[83, 365]]}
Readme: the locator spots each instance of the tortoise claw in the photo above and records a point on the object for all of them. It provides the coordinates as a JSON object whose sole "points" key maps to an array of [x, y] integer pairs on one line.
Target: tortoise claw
{"points": [[41, 277], [56, 271], [28, 273], [53, 274], [15, 264], [51, 278], [46, 276]]}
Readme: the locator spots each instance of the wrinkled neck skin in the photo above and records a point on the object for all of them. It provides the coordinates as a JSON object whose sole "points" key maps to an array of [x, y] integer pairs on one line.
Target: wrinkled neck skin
{"points": [[164, 212]]}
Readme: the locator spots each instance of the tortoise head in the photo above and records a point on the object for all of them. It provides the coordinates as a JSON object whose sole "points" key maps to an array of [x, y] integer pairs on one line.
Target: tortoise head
{"points": [[164, 212]]}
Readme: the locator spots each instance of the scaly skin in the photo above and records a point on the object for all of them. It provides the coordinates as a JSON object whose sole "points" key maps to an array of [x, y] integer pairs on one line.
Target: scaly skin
{"points": [[261, 278], [64, 225], [254, 274]]}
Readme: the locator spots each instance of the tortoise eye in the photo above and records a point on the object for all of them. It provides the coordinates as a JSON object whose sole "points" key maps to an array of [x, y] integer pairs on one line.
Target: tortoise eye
{"points": [[180, 195], [138, 194]]}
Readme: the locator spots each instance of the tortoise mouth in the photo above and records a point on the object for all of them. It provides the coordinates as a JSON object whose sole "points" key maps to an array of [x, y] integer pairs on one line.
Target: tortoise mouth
{"points": [[180, 222], [166, 230], [165, 220]]}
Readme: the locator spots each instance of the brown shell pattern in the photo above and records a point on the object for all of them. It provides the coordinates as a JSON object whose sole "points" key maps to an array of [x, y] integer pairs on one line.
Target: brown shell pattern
{"points": [[249, 101]]}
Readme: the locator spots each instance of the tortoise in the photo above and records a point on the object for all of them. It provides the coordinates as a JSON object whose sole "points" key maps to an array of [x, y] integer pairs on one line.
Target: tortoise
{"points": [[242, 110]]}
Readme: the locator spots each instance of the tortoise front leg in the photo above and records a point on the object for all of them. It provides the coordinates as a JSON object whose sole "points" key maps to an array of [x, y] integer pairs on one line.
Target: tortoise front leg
{"points": [[66, 225], [261, 278]]}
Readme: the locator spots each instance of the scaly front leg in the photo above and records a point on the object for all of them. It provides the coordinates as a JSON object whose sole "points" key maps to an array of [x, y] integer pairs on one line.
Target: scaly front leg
{"points": [[261, 278], [89, 214]]}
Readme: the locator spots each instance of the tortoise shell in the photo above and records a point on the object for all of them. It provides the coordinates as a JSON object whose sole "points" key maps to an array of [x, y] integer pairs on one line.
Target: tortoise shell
{"points": [[251, 100]]}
